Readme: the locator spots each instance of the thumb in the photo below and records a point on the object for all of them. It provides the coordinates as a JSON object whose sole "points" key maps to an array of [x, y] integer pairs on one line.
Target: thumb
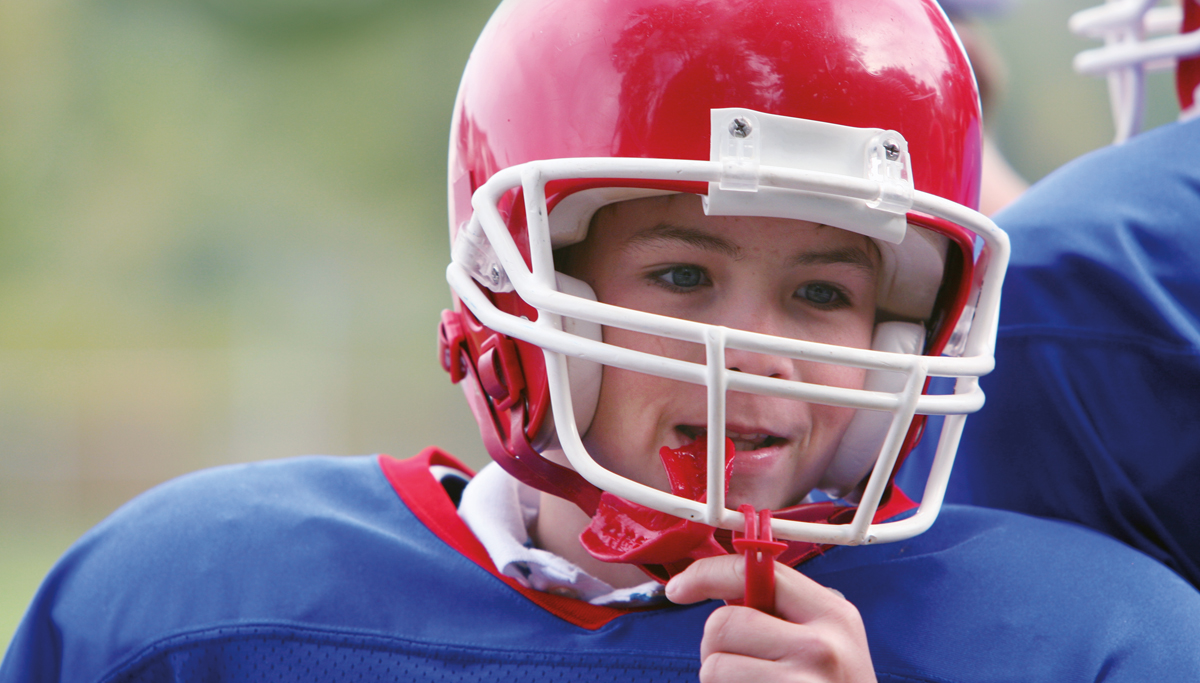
{"points": [[711, 578]]}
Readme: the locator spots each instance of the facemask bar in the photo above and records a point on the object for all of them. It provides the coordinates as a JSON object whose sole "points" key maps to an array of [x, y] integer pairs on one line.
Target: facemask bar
{"points": [[1127, 55], [537, 287]]}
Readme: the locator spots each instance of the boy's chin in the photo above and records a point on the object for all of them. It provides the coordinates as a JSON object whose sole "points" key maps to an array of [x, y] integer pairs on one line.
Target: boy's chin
{"points": [[761, 497]]}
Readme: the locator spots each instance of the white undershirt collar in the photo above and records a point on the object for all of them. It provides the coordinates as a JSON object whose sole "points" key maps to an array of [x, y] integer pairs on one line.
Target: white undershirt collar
{"points": [[500, 510]]}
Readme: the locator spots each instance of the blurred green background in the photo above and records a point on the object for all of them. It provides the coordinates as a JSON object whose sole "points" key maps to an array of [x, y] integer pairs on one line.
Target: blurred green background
{"points": [[222, 235]]}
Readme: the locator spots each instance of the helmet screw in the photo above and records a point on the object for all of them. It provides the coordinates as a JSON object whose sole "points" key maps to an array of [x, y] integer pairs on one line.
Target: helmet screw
{"points": [[740, 128], [892, 151], [495, 274]]}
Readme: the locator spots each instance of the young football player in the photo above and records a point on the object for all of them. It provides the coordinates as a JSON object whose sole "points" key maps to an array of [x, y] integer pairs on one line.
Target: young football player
{"points": [[1099, 343], [705, 254]]}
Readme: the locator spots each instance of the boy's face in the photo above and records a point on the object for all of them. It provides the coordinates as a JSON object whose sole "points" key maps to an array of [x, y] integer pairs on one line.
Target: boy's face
{"points": [[776, 276]]}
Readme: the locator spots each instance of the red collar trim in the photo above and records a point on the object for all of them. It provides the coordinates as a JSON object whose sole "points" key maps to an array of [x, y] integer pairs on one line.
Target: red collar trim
{"points": [[426, 498]]}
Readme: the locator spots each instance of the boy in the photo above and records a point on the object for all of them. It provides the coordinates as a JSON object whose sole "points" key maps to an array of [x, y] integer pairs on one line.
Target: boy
{"points": [[750, 272]]}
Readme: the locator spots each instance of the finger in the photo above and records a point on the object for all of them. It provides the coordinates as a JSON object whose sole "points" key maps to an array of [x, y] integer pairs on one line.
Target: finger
{"points": [[712, 578], [740, 640], [798, 598], [801, 600], [745, 631], [724, 667]]}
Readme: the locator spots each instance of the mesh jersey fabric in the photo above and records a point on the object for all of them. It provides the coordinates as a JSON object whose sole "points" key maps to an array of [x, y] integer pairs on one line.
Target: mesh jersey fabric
{"points": [[288, 654], [314, 569], [1091, 412]]}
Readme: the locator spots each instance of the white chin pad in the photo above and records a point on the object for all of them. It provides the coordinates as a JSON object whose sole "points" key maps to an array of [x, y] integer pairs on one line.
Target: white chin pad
{"points": [[864, 436], [584, 375]]}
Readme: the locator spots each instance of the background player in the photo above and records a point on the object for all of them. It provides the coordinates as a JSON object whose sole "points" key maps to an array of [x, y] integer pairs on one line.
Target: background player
{"points": [[801, 249], [1091, 415]]}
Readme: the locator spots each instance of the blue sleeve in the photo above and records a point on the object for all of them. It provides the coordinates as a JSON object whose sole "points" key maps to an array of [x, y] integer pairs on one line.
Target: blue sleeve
{"points": [[309, 570], [214, 547]]}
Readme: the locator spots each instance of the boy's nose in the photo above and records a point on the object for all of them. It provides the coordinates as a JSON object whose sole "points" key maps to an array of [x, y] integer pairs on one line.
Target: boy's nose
{"points": [[760, 364], [752, 316]]}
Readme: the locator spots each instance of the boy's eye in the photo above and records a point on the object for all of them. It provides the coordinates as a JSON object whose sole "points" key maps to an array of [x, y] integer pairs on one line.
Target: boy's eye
{"points": [[683, 277], [820, 294]]}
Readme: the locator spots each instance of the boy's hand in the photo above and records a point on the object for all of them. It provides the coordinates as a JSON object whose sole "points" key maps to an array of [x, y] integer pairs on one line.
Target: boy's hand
{"points": [[819, 635]]}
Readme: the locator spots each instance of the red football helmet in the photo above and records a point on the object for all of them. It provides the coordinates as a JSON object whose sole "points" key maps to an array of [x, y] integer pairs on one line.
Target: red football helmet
{"points": [[858, 114], [1141, 36]]}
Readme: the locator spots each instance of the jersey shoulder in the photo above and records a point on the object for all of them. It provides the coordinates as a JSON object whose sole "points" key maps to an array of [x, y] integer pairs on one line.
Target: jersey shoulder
{"points": [[985, 593], [1106, 246], [311, 569], [1152, 176]]}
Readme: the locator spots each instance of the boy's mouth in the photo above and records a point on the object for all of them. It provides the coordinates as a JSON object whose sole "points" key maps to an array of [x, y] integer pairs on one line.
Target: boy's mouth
{"points": [[742, 442]]}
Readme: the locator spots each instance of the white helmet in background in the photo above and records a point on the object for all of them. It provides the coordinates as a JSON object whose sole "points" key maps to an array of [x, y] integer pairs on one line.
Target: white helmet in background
{"points": [[1141, 36]]}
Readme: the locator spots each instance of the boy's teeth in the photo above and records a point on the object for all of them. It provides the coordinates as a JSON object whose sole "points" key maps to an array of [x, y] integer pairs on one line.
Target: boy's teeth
{"points": [[741, 442], [750, 442]]}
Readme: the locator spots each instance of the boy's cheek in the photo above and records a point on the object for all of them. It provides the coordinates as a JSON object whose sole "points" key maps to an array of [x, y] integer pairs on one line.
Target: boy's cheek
{"points": [[833, 419], [831, 375], [653, 344]]}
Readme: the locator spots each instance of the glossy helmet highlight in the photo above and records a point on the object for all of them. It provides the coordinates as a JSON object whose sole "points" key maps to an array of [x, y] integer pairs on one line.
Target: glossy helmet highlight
{"points": [[1141, 36], [858, 114]]}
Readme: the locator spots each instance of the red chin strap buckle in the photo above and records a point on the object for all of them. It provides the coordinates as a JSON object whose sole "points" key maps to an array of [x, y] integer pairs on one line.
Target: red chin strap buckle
{"points": [[760, 550]]}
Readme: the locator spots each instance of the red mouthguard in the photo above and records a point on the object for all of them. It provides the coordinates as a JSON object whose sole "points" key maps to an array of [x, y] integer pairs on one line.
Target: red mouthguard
{"points": [[622, 531]]}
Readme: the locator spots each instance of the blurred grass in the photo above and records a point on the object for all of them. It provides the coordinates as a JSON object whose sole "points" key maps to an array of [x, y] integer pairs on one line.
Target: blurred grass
{"points": [[27, 551], [222, 236]]}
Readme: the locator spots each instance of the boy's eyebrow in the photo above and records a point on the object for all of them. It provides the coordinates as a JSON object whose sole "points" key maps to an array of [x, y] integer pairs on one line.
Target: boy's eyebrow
{"points": [[665, 232], [852, 256]]}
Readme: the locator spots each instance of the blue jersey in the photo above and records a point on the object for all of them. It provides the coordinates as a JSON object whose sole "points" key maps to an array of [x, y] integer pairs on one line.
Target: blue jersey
{"points": [[1092, 411], [332, 569]]}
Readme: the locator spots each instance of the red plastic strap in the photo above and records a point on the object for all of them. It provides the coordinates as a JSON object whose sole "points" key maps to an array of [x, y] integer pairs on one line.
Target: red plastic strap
{"points": [[500, 371], [450, 345], [760, 550]]}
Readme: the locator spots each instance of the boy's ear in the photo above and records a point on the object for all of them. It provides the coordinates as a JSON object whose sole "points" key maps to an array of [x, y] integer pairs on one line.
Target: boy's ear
{"points": [[584, 375], [867, 430]]}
